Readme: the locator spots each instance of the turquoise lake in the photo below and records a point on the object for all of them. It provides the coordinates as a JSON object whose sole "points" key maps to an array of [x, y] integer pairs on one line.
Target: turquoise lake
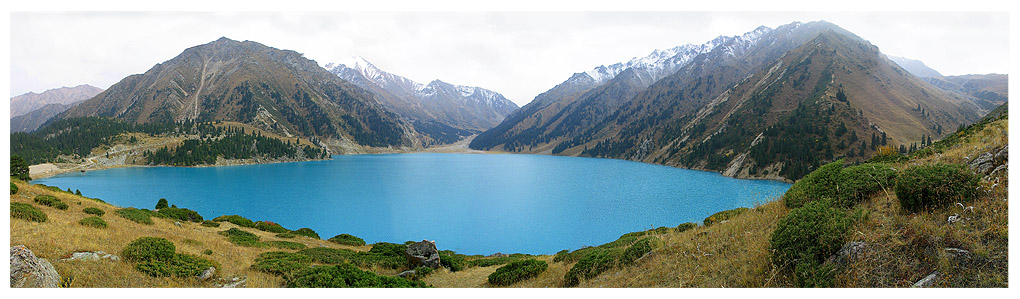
{"points": [[472, 204]]}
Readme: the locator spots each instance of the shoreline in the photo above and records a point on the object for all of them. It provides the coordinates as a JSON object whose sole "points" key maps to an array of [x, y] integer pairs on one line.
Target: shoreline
{"points": [[46, 170]]}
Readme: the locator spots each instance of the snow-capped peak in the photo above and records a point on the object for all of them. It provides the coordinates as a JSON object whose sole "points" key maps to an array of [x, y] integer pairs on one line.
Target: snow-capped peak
{"points": [[663, 62], [360, 65]]}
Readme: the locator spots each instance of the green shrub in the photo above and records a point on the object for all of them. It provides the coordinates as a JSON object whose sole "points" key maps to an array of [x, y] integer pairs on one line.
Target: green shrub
{"points": [[270, 226], [326, 255], [286, 235], [452, 261], [50, 201], [235, 219], [307, 232], [345, 239], [27, 212], [180, 265], [591, 265], [724, 215], [242, 238], [208, 223], [492, 261], [286, 245], [808, 235], [638, 250], [347, 276], [859, 182], [281, 263], [94, 211], [207, 252], [180, 214], [149, 249], [819, 184], [14, 189], [93, 222], [573, 256], [162, 204], [135, 215], [420, 273], [934, 186], [686, 227], [517, 271], [389, 249]]}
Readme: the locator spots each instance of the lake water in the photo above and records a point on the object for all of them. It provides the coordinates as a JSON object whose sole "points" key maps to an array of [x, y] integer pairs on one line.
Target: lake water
{"points": [[472, 204]]}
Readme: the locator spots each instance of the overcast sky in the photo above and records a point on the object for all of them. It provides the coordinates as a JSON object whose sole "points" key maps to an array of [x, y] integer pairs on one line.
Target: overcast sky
{"points": [[519, 54]]}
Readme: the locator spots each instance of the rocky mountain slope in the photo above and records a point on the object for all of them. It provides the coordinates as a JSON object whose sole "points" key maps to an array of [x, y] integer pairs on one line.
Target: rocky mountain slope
{"points": [[279, 91], [23, 104], [745, 105], [437, 103]]}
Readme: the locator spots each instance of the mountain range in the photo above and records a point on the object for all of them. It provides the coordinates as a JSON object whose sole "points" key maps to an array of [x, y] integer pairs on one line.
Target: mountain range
{"points": [[31, 110], [468, 108], [987, 90], [770, 103]]}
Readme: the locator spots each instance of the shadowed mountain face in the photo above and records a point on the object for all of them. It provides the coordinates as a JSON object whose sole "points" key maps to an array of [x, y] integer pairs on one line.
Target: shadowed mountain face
{"points": [[277, 90], [23, 104], [30, 121], [772, 103], [461, 107]]}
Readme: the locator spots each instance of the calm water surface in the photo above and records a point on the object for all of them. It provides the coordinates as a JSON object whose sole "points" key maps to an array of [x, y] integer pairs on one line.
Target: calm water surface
{"points": [[473, 204]]}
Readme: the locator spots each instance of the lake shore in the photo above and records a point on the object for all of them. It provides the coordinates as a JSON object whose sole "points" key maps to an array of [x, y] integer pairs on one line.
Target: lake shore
{"points": [[460, 147]]}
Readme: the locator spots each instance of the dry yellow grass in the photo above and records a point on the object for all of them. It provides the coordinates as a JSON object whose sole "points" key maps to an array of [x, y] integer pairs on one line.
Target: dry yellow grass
{"points": [[61, 235]]}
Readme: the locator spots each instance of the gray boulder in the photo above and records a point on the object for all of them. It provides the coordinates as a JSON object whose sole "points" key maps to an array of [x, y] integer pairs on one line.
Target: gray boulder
{"points": [[983, 164], [959, 256], [207, 273], [91, 256], [423, 253], [406, 274], [1002, 155], [927, 281], [848, 253], [29, 271]]}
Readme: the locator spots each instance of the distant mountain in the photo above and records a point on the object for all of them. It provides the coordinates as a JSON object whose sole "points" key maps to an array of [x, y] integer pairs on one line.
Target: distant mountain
{"points": [[989, 91], [771, 103], [31, 101], [462, 107], [277, 90], [30, 121], [915, 67]]}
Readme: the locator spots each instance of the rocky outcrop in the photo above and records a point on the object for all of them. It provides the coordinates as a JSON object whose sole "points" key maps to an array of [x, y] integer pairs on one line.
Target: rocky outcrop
{"points": [[29, 271], [91, 256], [991, 161], [423, 253]]}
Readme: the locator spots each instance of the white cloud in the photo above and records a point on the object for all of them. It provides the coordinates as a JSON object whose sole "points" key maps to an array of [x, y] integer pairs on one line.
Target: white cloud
{"points": [[519, 54]]}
